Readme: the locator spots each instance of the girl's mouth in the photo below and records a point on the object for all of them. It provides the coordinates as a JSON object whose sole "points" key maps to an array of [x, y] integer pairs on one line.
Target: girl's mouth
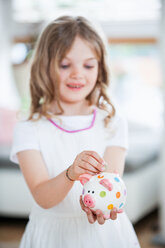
{"points": [[75, 86]]}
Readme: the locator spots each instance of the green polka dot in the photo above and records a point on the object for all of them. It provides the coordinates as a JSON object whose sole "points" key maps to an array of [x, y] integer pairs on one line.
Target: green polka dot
{"points": [[102, 193]]}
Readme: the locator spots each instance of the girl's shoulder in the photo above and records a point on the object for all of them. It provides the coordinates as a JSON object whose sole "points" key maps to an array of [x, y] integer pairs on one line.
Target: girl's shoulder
{"points": [[24, 138], [25, 126], [23, 123], [117, 119], [117, 129]]}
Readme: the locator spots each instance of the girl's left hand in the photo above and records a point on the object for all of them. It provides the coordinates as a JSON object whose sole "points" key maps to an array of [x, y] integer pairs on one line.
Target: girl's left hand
{"points": [[97, 215]]}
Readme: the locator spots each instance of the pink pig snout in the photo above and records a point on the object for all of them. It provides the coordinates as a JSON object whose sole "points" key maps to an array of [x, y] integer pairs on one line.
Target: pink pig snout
{"points": [[89, 201]]}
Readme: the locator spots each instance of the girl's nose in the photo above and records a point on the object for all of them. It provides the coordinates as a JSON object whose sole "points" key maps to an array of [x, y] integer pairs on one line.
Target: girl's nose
{"points": [[76, 72]]}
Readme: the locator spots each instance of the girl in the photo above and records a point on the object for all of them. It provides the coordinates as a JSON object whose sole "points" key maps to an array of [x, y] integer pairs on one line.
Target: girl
{"points": [[72, 129]]}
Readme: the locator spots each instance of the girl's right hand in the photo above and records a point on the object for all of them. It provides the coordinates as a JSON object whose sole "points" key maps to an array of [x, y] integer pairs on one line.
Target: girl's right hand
{"points": [[86, 162], [98, 214]]}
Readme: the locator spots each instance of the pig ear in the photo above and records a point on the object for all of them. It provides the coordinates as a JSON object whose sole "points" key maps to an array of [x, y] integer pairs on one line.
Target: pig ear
{"points": [[107, 184], [84, 178]]}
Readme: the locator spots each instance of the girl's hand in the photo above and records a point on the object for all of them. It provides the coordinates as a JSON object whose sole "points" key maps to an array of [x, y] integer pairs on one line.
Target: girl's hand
{"points": [[98, 215], [113, 214], [92, 217], [86, 162]]}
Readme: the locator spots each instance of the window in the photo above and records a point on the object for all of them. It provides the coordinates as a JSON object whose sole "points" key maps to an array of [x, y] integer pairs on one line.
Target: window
{"points": [[137, 81]]}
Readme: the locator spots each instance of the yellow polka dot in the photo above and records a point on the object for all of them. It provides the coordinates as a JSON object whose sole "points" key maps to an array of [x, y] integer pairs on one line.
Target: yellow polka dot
{"points": [[110, 206], [100, 176], [118, 195]]}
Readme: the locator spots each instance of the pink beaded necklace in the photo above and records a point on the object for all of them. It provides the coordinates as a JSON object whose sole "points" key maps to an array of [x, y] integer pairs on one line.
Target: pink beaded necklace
{"points": [[78, 130]]}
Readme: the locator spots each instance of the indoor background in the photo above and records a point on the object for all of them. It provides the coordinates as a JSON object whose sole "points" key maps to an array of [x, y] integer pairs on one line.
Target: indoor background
{"points": [[135, 42]]}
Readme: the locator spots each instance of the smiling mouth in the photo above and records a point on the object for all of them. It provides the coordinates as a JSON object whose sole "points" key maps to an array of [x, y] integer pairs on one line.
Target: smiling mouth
{"points": [[75, 86]]}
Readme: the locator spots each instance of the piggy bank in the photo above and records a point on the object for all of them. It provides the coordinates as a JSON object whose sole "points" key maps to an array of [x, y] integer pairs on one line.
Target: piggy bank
{"points": [[103, 191]]}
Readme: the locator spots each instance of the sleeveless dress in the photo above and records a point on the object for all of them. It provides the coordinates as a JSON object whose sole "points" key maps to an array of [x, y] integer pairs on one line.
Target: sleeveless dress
{"points": [[65, 225]]}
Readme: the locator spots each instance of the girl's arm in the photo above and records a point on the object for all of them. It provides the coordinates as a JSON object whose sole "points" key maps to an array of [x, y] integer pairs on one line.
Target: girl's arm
{"points": [[46, 192], [49, 192], [115, 159]]}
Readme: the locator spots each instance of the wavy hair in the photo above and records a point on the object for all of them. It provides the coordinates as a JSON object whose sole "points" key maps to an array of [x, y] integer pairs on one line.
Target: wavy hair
{"points": [[53, 44]]}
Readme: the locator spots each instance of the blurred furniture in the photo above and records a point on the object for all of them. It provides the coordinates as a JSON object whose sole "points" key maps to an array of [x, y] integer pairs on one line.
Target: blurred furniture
{"points": [[142, 170], [142, 187]]}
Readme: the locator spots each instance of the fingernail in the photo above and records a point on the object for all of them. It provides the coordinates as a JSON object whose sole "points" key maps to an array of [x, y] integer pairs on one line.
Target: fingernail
{"points": [[115, 210], [98, 213], [106, 217], [105, 165]]}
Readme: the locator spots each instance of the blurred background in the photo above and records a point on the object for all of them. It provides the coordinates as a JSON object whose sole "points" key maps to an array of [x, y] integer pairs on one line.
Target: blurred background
{"points": [[134, 32]]}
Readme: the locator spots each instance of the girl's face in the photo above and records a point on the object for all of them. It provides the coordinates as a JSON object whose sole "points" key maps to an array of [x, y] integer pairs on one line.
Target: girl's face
{"points": [[78, 72]]}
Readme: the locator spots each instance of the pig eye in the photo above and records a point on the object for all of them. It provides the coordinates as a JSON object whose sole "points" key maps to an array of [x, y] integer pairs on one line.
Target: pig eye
{"points": [[93, 192], [88, 191]]}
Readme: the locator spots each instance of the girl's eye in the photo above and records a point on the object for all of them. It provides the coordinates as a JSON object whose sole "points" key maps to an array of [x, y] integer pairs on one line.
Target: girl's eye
{"points": [[89, 66], [64, 66]]}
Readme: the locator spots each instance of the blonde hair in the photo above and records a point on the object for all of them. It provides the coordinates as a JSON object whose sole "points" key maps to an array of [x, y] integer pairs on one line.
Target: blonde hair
{"points": [[53, 44]]}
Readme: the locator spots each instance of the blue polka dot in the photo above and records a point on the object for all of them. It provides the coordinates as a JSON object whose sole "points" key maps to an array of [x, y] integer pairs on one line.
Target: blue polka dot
{"points": [[121, 205], [116, 179]]}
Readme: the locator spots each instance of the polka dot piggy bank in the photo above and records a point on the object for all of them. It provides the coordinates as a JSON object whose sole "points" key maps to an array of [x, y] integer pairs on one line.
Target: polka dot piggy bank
{"points": [[104, 191]]}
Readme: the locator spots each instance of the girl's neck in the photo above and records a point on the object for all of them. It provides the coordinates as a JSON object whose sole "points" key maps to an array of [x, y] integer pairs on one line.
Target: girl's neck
{"points": [[81, 108]]}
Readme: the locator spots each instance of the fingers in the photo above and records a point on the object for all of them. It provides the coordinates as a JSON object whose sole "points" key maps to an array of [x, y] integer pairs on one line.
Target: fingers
{"points": [[82, 170], [96, 156], [92, 163], [100, 217], [120, 211], [82, 204], [113, 214], [89, 167], [91, 217], [86, 162]]}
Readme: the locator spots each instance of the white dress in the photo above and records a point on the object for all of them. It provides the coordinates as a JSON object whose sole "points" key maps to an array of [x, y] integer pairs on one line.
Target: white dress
{"points": [[65, 225]]}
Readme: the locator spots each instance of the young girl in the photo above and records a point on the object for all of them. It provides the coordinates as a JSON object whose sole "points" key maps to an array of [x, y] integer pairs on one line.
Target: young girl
{"points": [[73, 129]]}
